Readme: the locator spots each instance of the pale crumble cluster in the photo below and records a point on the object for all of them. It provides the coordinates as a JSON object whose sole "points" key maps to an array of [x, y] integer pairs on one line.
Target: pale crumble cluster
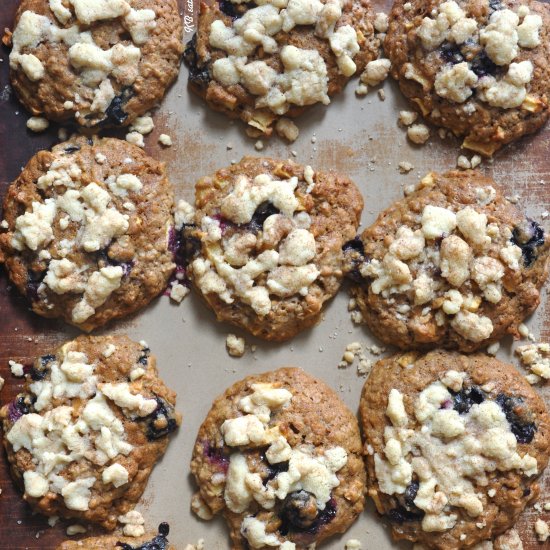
{"points": [[542, 529], [93, 210], [279, 262], [17, 369], [465, 163], [235, 345], [58, 436], [308, 469], [536, 358], [450, 453], [506, 33], [198, 546], [471, 255], [37, 124], [357, 351], [304, 78], [97, 68], [132, 524]]}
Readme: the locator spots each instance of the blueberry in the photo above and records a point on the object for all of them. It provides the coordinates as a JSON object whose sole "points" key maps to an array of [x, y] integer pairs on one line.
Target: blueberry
{"points": [[528, 236], [215, 456], [482, 65], [261, 214], [495, 5], [18, 408], [407, 509], [160, 542], [115, 113], [183, 246], [71, 149], [402, 515], [354, 256], [144, 356], [103, 256], [514, 409], [299, 509], [197, 75], [228, 8], [466, 397], [34, 280], [39, 372], [162, 421], [273, 470], [450, 53], [299, 513]]}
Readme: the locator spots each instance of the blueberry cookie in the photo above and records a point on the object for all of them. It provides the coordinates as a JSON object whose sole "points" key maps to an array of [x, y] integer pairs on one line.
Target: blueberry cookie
{"points": [[85, 434], [260, 60], [478, 67], [113, 542], [279, 455], [454, 445], [97, 63], [87, 231], [268, 236], [454, 264]]}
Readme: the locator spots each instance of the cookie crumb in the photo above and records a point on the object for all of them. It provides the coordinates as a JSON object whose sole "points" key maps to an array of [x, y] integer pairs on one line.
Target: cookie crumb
{"points": [[198, 546], [259, 145], [407, 117], [382, 95], [178, 292], [536, 358], [287, 129], [143, 125], [37, 124], [2, 382], [418, 133], [75, 530], [165, 140], [475, 161], [353, 544], [463, 162], [405, 167], [362, 89], [133, 524], [62, 134], [381, 22], [493, 348], [542, 530], [17, 369], [235, 345], [135, 138]]}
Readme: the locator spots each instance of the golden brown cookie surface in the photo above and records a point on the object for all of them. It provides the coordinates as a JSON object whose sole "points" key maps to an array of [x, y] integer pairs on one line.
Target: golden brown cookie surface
{"points": [[454, 445], [477, 67], [87, 231], [98, 63], [84, 436], [298, 447], [453, 264], [259, 62]]}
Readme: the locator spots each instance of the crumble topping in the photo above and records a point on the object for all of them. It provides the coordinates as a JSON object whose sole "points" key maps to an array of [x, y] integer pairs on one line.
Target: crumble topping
{"points": [[97, 69], [277, 258], [449, 452], [308, 470], [92, 211], [57, 436], [304, 79], [501, 39]]}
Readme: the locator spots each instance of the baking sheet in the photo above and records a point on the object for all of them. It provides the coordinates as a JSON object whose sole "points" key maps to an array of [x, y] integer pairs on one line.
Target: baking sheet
{"points": [[357, 136]]}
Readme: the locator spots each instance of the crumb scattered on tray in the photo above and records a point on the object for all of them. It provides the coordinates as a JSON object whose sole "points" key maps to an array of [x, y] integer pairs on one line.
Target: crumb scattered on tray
{"points": [[235, 345]]}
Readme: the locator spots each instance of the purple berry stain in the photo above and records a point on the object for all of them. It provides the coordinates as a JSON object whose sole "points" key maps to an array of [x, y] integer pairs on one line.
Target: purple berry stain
{"points": [[215, 456]]}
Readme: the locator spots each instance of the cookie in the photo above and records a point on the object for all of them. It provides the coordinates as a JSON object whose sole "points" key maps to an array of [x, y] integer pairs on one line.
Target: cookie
{"points": [[112, 542], [454, 444], [260, 61], [268, 236], [477, 67], [87, 231], [454, 264], [85, 434], [279, 455], [95, 63]]}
